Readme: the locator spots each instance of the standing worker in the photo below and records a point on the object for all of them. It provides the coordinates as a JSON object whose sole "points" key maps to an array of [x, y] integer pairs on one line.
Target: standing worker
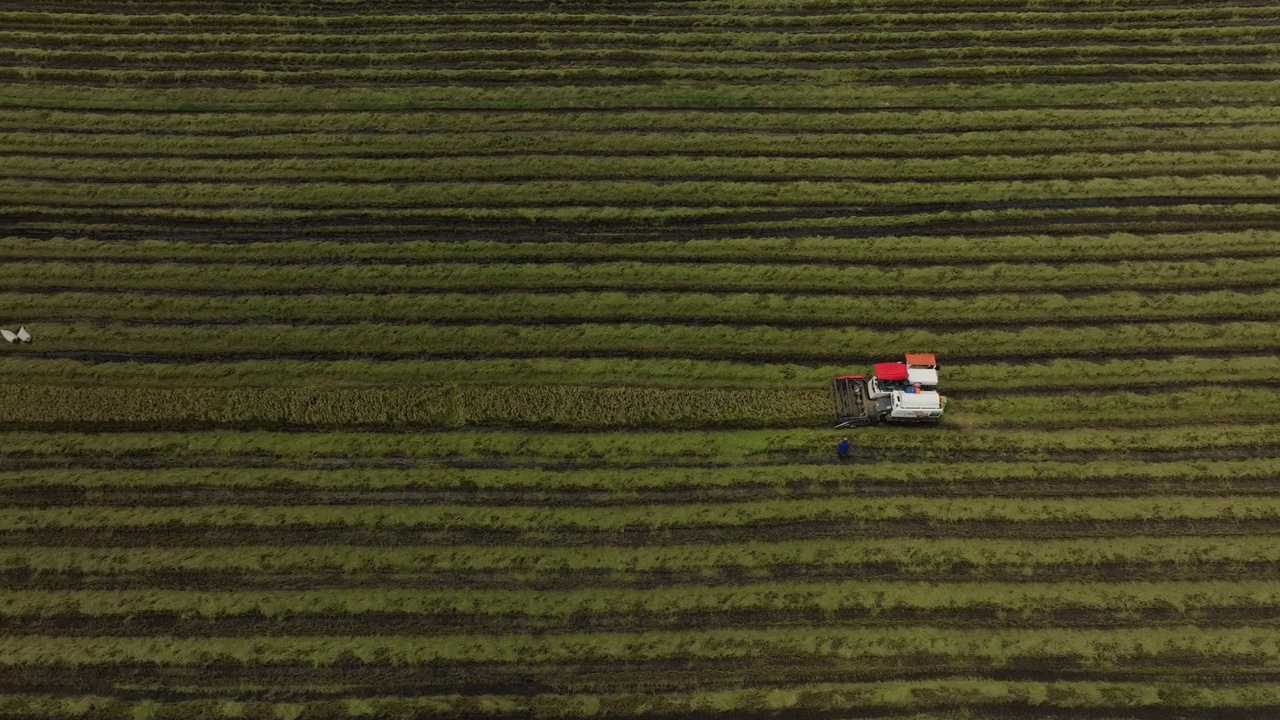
{"points": [[842, 450]]}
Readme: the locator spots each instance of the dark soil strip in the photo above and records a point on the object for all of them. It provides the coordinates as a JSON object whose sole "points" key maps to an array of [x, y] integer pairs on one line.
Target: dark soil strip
{"points": [[173, 535], [174, 624], [285, 494], [15, 579]]}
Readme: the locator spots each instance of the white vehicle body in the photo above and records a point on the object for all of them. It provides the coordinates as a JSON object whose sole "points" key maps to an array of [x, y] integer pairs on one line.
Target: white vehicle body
{"points": [[924, 406], [924, 377]]}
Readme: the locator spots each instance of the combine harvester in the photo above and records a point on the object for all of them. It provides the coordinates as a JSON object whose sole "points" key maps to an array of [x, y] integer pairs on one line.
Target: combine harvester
{"points": [[898, 392]]}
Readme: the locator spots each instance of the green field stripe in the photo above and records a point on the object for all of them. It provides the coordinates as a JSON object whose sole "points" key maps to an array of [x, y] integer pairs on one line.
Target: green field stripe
{"points": [[714, 342], [970, 649], [625, 142], [850, 277], [181, 125], [941, 512], [1102, 701], [1029, 601], [1210, 474], [623, 448], [972, 557], [1033, 95], [811, 310], [816, 248], [628, 193], [1061, 374], [922, 144], [1073, 165]]}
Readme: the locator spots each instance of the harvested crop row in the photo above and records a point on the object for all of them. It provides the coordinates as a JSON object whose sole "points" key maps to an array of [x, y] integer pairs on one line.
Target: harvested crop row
{"points": [[682, 38], [944, 59], [967, 650], [625, 142], [844, 279], [1209, 95], [933, 557], [544, 21], [714, 342], [621, 449], [525, 225], [1029, 601], [887, 250], [850, 144], [632, 193], [724, 123], [753, 309], [1065, 166], [1215, 475], [608, 76], [603, 521]]}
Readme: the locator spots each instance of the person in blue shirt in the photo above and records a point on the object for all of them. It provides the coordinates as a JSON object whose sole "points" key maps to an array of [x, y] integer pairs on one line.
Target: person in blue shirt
{"points": [[842, 449]]}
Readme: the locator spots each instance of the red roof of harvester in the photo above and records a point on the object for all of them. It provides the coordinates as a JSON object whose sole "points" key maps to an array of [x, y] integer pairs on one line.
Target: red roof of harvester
{"points": [[891, 371], [921, 359]]}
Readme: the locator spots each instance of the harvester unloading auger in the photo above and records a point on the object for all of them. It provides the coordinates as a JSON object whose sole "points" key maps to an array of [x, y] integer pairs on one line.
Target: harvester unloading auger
{"points": [[897, 392]]}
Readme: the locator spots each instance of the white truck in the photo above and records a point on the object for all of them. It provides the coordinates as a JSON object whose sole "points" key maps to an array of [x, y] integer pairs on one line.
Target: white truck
{"points": [[897, 392]]}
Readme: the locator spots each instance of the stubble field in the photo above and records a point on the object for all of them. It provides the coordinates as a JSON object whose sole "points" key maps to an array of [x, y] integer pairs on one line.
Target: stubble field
{"points": [[414, 360]]}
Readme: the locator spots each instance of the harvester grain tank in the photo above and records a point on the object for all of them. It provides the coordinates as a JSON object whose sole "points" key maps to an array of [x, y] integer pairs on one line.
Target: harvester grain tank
{"points": [[896, 392]]}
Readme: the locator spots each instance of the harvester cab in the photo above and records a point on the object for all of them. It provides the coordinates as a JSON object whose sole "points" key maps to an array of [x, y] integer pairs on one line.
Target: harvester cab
{"points": [[897, 392]]}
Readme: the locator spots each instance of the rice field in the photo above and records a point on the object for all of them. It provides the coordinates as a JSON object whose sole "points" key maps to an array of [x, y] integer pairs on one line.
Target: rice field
{"points": [[412, 360]]}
